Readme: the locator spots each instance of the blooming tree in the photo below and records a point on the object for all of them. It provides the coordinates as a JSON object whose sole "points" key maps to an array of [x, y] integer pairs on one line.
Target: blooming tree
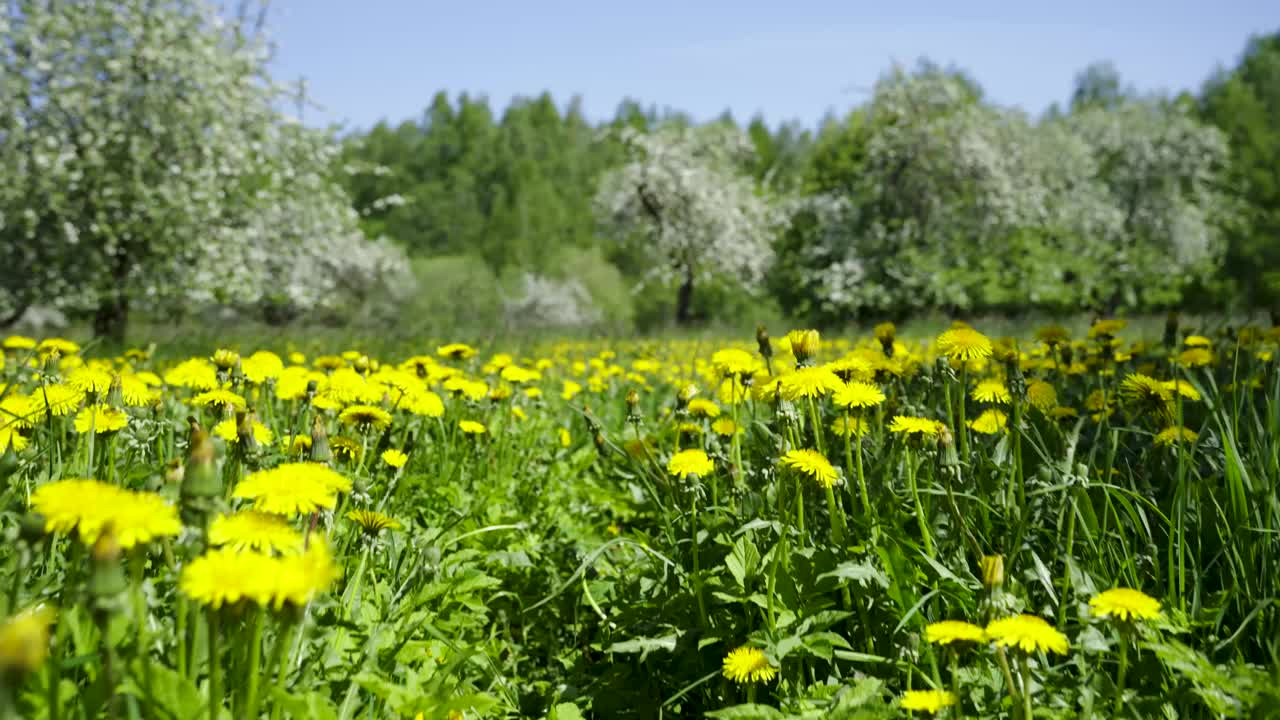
{"points": [[685, 196], [145, 154], [960, 204]]}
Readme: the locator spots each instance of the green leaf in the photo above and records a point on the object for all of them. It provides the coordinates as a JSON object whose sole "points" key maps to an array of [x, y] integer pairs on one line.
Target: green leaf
{"points": [[861, 572], [645, 645], [743, 561], [313, 705], [747, 712], [565, 711]]}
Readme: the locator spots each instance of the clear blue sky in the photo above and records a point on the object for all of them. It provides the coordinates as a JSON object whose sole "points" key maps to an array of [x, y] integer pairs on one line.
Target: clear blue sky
{"points": [[367, 60]]}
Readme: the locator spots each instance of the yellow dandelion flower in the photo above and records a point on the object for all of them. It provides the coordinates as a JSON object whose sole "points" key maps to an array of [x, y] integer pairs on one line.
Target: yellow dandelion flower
{"points": [[225, 359], [261, 367], [1146, 393], [725, 427], [915, 426], [1183, 388], [425, 404], [471, 427], [226, 576], [746, 665], [197, 374], [813, 464], [220, 398], [1197, 341], [990, 422], [1175, 435], [858, 395], [61, 346], [1053, 335], [703, 408], [810, 382], [293, 488], [89, 379], [456, 351], [856, 427], [19, 342], [964, 344], [569, 390], [394, 458], [24, 640], [1042, 395], [1124, 604], [1028, 633], [100, 419], [1196, 357], [226, 429], [254, 530], [89, 506], [991, 391], [927, 701], [373, 522], [56, 399], [304, 575], [690, 462], [733, 361], [1107, 328], [365, 417], [948, 632]]}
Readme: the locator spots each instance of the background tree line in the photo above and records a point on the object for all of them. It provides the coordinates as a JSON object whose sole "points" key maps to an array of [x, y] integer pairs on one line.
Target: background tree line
{"points": [[153, 165]]}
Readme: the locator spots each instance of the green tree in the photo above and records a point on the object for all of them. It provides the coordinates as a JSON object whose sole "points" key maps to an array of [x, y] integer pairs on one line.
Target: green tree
{"points": [[1245, 104]]}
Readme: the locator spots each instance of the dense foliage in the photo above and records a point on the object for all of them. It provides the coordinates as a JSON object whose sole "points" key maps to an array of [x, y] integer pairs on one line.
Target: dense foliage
{"points": [[1064, 526]]}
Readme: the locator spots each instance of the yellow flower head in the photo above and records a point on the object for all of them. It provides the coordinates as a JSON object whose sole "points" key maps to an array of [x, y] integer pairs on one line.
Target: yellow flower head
{"points": [[395, 458], [100, 419], [90, 379], [254, 530], [1124, 604], [703, 407], [1042, 395], [24, 640], [471, 427], [915, 426], [1196, 357], [990, 422], [456, 351], [293, 488], [226, 576], [373, 522], [810, 382], [1175, 435], [365, 417], [1027, 633], [947, 632], [90, 506], [964, 344], [725, 427], [991, 391], [690, 462], [226, 429], [858, 395], [813, 464], [733, 361], [220, 398], [927, 701], [746, 665]]}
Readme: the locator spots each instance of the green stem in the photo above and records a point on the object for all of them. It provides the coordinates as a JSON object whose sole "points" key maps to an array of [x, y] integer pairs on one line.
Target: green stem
{"points": [[961, 428], [215, 667], [1025, 666], [921, 517], [837, 518], [1124, 668], [255, 660], [697, 569], [279, 662]]}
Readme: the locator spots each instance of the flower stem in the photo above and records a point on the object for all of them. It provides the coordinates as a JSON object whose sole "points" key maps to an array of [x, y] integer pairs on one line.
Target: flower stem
{"points": [[215, 668], [921, 518], [1124, 668], [255, 659], [1025, 666]]}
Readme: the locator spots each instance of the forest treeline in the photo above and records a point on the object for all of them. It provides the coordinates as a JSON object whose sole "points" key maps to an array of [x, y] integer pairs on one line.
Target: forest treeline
{"points": [[925, 196], [154, 167]]}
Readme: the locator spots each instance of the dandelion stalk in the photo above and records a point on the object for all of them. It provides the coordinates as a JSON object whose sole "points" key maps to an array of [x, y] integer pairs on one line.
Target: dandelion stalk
{"points": [[215, 666], [255, 659], [921, 518], [1025, 665], [1120, 675]]}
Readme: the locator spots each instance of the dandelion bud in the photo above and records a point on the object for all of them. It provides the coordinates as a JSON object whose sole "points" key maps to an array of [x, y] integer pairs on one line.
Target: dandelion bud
{"points": [[992, 568], [225, 359], [24, 643], [115, 394], [106, 574], [1171, 330], [886, 333], [248, 442], [804, 345], [633, 406], [320, 451], [762, 342], [200, 479]]}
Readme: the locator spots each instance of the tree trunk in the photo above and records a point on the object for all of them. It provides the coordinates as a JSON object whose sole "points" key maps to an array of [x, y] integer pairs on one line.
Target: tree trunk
{"points": [[684, 300], [111, 318]]}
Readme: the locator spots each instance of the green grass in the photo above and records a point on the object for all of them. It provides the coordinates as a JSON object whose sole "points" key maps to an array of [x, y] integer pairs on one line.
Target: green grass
{"points": [[537, 577]]}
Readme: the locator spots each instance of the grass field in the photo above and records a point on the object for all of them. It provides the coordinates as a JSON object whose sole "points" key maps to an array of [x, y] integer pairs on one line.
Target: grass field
{"points": [[1074, 523]]}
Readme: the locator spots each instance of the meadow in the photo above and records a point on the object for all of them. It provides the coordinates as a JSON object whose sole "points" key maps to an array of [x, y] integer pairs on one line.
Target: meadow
{"points": [[1070, 523]]}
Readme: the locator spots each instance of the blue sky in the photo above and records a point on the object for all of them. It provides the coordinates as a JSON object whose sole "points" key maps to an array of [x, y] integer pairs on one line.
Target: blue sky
{"points": [[367, 60]]}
